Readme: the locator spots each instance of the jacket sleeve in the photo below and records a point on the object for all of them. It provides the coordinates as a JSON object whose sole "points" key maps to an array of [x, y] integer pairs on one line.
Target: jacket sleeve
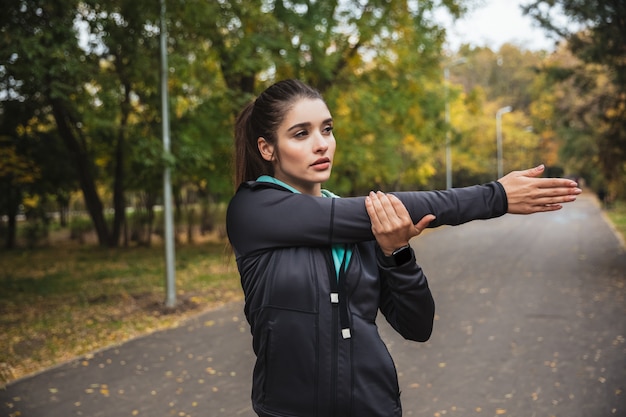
{"points": [[405, 298], [262, 216]]}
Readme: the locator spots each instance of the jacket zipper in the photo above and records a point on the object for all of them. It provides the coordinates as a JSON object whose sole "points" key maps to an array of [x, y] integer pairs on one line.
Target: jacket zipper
{"points": [[335, 358], [334, 337], [338, 300]]}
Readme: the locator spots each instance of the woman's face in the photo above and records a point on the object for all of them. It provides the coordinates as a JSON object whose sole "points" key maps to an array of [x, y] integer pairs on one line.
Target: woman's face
{"points": [[305, 147]]}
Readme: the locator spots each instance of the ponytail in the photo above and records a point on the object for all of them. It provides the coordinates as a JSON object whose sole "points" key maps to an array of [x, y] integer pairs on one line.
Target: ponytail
{"points": [[249, 164]]}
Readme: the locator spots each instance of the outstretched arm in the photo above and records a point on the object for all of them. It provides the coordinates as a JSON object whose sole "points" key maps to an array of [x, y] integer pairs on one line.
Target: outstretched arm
{"points": [[526, 193], [262, 216]]}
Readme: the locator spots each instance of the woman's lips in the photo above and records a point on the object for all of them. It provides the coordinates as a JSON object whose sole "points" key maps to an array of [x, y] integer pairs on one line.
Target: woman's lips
{"points": [[321, 164]]}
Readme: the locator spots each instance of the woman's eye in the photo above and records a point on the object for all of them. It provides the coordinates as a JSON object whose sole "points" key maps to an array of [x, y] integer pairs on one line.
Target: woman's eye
{"points": [[300, 134], [328, 129]]}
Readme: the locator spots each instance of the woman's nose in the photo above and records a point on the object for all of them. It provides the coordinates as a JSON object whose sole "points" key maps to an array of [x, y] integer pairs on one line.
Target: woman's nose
{"points": [[321, 144]]}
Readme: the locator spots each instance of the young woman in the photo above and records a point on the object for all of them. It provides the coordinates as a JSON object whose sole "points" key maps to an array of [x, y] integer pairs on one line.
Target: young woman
{"points": [[315, 269]]}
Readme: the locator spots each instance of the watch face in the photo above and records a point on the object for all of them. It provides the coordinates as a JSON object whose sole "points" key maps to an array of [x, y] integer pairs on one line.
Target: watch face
{"points": [[402, 256]]}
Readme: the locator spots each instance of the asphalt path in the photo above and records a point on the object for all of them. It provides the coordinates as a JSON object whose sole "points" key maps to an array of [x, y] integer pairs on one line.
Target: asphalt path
{"points": [[531, 322]]}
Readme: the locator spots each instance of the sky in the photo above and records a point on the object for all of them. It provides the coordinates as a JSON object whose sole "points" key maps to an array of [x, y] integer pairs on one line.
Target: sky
{"points": [[494, 23]]}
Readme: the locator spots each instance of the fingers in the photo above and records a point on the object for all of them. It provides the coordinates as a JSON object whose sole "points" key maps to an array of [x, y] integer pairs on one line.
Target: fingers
{"points": [[389, 215], [548, 207], [392, 225], [554, 191], [556, 183], [530, 209], [376, 208], [533, 172], [398, 207], [536, 206], [386, 211], [544, 196], [423, 223], [371, 211], [526, 193], [404, 215]]}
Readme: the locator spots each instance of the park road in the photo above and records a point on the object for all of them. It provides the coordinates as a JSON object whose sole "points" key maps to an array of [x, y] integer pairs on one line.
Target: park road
{"points": [[531, 322]]}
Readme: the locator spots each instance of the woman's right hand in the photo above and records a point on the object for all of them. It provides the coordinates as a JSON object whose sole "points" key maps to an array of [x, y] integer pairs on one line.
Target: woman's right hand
{"points": [[391, 223]]}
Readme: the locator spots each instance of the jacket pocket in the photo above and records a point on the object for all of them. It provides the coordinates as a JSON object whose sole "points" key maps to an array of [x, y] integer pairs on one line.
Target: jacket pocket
{"points": [[288, 375], [376, 384]]}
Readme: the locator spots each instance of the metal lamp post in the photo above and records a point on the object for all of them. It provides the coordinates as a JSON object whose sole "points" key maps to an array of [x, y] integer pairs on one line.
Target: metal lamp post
{"points": [[446, 76], [499, 114], [170, 272]]}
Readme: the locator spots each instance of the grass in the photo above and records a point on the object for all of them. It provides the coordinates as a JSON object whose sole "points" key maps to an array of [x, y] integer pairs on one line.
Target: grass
{"points": [[617, 214], [61, 302]]}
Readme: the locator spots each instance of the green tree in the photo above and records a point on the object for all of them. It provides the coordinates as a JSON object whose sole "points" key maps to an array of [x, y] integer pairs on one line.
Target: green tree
{"points": [[89, 67], [41, 65], [351, 51], [16, 173], [88, 70], [571, 106], [32, 164], [390, 111], [596, 34], [491, 80]]}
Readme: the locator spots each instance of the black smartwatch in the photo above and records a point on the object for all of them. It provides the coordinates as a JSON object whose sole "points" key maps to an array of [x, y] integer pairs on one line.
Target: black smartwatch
{"points": [[402, 255]]}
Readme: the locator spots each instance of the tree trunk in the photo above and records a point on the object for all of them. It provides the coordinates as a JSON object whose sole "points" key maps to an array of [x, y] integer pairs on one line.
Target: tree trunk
{"points": [[191, 215], [207, 223], [63, 207], [119, 204], [150, 209], [83, 168], [12, 211]]}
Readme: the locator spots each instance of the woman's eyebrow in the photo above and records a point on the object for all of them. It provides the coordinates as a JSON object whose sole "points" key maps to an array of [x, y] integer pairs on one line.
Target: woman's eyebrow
{"points": [[299, 126], [304, 125]]}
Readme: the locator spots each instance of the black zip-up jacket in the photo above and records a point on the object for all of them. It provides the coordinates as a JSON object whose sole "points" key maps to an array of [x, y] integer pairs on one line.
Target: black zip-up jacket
{"points": [[282, 243]]}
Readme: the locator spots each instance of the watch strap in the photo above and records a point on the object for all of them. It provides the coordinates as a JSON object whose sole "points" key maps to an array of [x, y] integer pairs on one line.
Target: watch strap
{"points": [[402, 255]]}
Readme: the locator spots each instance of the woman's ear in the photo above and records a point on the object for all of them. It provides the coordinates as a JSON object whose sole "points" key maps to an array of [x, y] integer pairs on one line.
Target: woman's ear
{"points": [[266, 150]]}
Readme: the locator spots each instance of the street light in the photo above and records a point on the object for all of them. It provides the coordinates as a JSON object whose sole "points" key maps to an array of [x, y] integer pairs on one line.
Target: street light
{"points": [[446, 76], [170, 272], [499, 114]]}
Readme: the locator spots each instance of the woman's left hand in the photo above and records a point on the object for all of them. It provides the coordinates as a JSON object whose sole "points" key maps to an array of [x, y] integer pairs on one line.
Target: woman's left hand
{"points": [[391, 223], [527, 193]]}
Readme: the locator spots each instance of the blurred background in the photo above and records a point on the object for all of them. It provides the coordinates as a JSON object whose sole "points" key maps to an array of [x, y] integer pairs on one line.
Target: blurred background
{"points": [[415, 107], [426, 94]]}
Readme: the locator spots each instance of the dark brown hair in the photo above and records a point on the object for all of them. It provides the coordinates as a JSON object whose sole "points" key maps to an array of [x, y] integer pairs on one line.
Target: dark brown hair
{"points": [[261, 118]]}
